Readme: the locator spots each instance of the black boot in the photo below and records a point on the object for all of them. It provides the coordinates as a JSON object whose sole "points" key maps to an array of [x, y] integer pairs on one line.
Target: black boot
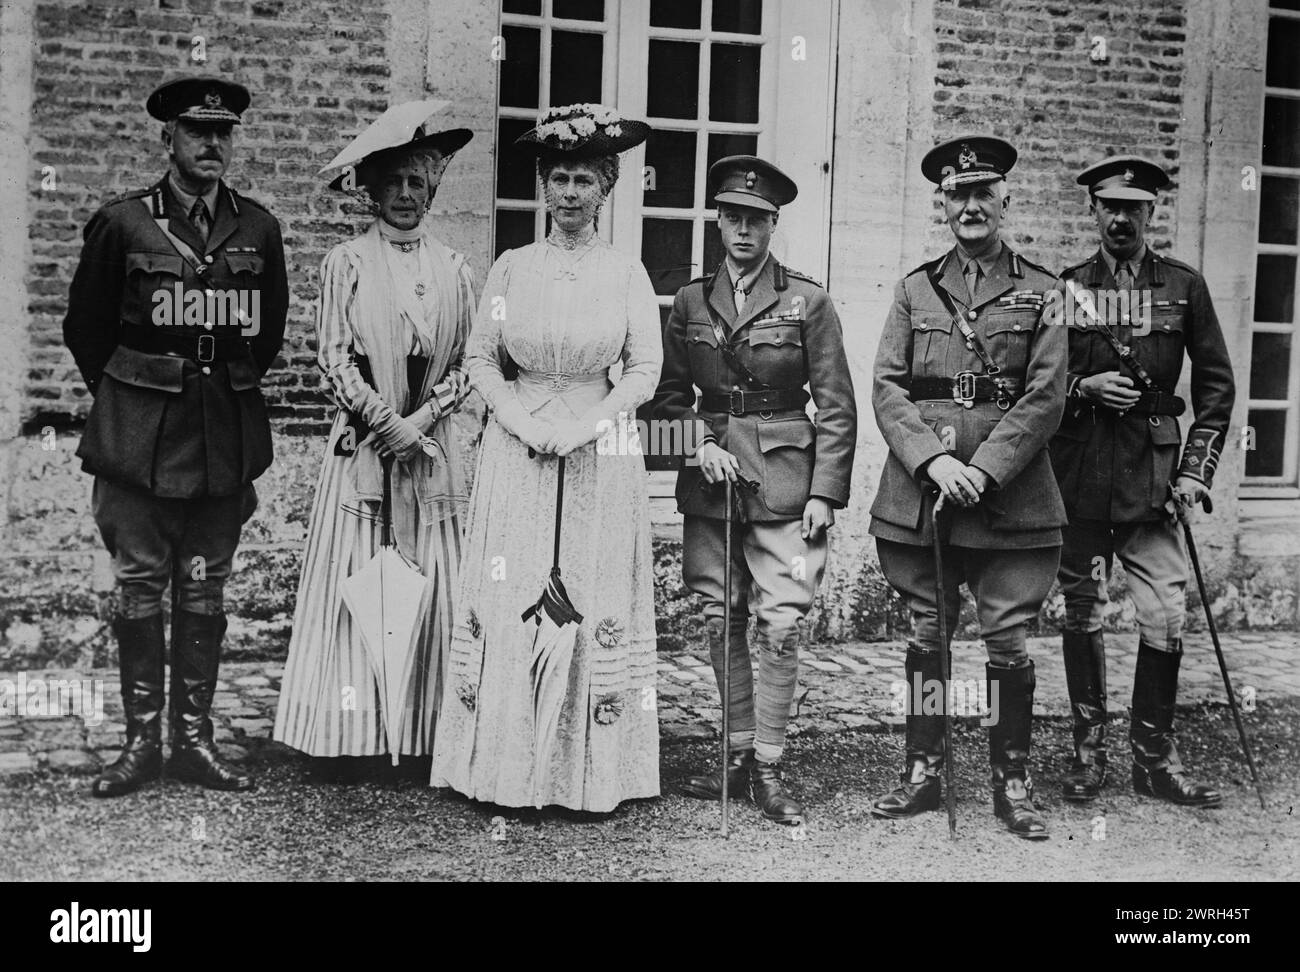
{"points": [[1013, 791], [140, 652], [767, 790], [919, 788], [196, 652], [709, 786], [1085, 675], [1157, 770]]}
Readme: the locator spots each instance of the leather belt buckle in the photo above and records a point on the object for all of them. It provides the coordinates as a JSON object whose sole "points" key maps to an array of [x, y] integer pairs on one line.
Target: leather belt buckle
{"points": [[207, 353], [736, 402], [963, 389], [1002, 400]]}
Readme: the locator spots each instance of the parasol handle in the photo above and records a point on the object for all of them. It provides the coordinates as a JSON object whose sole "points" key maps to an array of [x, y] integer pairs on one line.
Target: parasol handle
{"points": [[559, 510], [386, 504]]}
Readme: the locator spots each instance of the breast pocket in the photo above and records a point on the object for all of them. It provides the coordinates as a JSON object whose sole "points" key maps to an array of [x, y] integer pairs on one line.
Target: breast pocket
{"points": [[1162, 347], [702, 352], [1009, 334], [240, 263], [774, 353], [930, 336]]}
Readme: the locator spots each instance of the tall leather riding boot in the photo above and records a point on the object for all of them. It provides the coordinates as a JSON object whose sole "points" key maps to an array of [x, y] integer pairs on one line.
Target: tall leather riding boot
{"points": [[1085, 676], [918, 789], [140, 650], [1009, 739], [709, 785], [196, 653], [1157, 770]]}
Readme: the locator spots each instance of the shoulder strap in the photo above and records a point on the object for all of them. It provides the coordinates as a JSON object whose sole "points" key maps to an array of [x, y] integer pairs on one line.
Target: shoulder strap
{"points": [[1126, 355], [972, 339], [179, 245]]}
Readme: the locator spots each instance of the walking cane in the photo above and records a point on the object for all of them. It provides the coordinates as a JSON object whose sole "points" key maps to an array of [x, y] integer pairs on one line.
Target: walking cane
{"points": [[726, 652], [950, 797], [1214, 637]]}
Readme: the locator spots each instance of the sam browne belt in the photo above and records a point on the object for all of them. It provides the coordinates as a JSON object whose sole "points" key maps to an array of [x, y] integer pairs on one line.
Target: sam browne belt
{"points": [[967, 388], [740, 402]]}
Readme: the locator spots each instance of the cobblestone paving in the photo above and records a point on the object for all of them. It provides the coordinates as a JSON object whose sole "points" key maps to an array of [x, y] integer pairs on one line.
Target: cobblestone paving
{"points": [[842, 687]]}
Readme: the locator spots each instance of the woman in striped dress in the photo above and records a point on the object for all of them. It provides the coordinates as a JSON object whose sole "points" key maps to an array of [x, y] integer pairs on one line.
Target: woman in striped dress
{"points": [[394, 313]]}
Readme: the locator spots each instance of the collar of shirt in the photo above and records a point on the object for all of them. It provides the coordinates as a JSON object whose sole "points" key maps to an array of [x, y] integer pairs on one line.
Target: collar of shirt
{"points": [[187, 199], [1134, 262], [987, 261], [747, 278]]}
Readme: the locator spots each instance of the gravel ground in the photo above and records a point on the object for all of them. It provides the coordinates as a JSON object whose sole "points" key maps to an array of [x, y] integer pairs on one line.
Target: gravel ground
{"points": [[396, 828]]}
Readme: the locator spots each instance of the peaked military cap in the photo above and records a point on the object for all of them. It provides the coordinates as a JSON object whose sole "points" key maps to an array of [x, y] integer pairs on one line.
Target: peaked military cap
{"points": [[1124, 177], [200, 98], [971, 160], [746, 180]]}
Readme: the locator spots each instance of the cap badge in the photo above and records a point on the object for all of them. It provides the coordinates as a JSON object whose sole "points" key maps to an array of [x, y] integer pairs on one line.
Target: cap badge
{"points": [[750, 178], [967, 158], [212, 99], [1128, 175]]}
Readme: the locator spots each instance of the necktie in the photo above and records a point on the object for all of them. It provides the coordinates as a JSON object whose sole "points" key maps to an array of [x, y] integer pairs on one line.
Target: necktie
{"points": [[973, 274], [1124, 276], [739, 294], [199, 217]]}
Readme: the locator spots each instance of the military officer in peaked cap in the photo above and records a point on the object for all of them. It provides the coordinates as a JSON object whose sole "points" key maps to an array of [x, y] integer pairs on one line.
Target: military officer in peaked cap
{"points": [[176, 310], [969, 385], [755, 336], [1116, 457]]}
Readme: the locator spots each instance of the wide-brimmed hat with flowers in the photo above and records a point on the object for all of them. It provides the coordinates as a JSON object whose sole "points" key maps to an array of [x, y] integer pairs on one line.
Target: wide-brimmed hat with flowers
{"points": [[582, 132]]}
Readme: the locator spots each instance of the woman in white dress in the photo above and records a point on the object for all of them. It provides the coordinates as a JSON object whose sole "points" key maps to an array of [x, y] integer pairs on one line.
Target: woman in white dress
{"points": [[394, 314], [564, 312]]}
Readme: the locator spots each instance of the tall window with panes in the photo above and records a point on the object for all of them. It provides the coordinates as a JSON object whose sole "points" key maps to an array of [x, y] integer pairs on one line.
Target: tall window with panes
{"points": [[1274, 391]]}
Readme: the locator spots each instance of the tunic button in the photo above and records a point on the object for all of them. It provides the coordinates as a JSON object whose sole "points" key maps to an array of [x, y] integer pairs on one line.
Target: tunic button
{"points": [[208, 325], [972, 315], [208, 258], [1015, 327], [1168, 328], [924, 325], [207, 370]]}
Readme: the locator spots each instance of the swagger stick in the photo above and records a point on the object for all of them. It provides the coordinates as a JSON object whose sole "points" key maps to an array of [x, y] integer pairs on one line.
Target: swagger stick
{"points": [[726, 653], [1218, 649], [950, 797]]}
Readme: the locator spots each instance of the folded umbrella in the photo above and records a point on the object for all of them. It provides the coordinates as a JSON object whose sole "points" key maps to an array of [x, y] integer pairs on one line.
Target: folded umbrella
{"points": [[389, 598], [557, 623]]}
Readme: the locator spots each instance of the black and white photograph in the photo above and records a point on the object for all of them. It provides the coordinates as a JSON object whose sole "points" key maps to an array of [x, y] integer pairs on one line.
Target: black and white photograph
{"points": [[688, 441]]}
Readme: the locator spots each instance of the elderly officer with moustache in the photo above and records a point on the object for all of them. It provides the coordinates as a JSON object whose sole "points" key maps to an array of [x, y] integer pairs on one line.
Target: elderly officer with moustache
{"points": [[969, 386], [1116, 457], [176, 311], [751, 336]]}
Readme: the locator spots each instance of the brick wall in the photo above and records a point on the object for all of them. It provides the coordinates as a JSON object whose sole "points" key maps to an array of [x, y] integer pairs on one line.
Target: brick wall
{"points": [[316, 69], [1020, 69]]}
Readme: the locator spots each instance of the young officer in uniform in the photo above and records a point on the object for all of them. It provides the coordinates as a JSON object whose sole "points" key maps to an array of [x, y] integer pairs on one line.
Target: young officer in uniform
{"points": [[969, 386], [1116, 456], [751, 336], [176, 311]]}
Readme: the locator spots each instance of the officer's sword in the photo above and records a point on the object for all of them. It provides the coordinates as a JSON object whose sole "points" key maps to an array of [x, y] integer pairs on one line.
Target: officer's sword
{"points": [[950, 797], [1214, 637]]}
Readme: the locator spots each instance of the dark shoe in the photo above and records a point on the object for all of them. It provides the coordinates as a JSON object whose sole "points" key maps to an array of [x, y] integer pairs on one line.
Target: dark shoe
{"points": [[1013, 803], [767, 790], [196, 653], [1009, 740], [1157, 769], [1085, 675], [919, 783], [709, 787], [917, 792], [140, 651]]}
